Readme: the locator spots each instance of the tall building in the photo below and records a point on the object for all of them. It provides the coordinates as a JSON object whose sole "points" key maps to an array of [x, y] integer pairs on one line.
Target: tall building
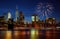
{"points": [[34, 18], [17, 14], [21, 18], [9, 15]]}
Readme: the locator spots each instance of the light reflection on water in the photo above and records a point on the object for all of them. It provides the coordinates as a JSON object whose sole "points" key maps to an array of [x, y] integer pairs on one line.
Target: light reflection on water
{"points": [[29, 35], [8, 35]]}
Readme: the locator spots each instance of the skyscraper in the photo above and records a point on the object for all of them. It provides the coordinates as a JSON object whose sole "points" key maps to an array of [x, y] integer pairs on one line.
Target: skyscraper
{"points": [[21, 17], [34, 18], [9, 15], [17, 14]]}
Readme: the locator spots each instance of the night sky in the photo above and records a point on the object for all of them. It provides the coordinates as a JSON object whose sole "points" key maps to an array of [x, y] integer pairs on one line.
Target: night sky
{"points": [[27, 7]]}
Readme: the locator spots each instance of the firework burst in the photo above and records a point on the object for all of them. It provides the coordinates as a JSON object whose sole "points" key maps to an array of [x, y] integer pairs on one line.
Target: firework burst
{"points": [[44, 9]]}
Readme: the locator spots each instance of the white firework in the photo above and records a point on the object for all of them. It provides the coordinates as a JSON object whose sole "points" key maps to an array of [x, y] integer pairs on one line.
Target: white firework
{"points": [[44, 9]]}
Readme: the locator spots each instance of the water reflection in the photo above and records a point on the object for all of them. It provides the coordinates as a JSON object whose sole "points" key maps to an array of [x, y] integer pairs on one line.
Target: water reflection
{"points": [[8, 35], [32, 34]]}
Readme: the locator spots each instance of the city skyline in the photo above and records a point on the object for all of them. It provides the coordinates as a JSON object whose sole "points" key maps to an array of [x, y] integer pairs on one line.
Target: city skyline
{"points": [[27, 7], [29, 19]]}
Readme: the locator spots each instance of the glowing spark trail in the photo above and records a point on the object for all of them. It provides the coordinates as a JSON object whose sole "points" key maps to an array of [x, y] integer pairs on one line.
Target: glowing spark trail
{"points": [[44, 9]]}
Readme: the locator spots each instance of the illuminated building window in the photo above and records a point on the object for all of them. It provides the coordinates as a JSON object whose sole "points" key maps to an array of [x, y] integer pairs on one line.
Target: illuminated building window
{"points": [[33, 18], [36, 18]]}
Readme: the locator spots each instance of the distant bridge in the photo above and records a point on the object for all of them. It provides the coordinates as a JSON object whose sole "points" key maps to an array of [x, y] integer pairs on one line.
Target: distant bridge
{"points": [[27, 28]]}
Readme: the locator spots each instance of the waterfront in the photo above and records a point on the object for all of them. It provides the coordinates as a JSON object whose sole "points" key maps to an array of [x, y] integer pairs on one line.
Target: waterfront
{"points": [[30, 34]]}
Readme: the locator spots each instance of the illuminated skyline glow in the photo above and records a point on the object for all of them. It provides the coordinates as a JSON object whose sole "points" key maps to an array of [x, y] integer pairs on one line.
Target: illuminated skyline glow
{"points": [[27, 7]]}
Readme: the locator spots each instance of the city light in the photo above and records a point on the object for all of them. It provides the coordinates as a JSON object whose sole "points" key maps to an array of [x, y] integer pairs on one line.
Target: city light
{"points": [[16, 33], [32, 19], [34, 34], [9, 15], [8, 35]]}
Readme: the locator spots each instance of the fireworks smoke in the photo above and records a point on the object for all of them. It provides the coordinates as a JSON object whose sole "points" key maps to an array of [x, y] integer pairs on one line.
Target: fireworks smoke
{"points": [[44, 9]]}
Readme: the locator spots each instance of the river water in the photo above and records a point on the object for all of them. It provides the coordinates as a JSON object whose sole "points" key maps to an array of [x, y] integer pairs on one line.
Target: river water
{"points": [[31, 34]]}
